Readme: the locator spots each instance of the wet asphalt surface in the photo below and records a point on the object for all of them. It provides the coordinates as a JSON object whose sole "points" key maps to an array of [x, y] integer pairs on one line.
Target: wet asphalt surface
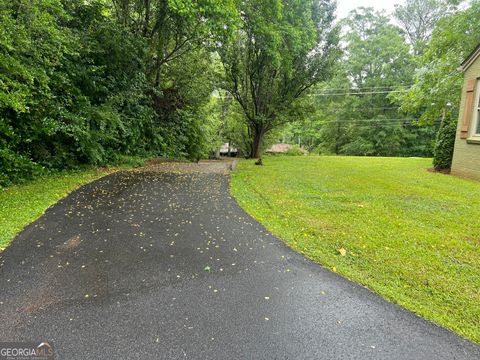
{"points": [[165, 265]]}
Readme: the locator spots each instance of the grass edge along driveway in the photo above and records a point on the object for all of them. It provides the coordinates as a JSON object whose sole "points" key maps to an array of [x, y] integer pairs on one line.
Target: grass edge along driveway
{"points": [[409, 235], [24, 203]]}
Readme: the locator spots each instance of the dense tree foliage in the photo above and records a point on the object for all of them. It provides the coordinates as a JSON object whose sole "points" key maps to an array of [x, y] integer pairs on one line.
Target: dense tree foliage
{"points": [[355, 114], [85, 82], [419, 17]]}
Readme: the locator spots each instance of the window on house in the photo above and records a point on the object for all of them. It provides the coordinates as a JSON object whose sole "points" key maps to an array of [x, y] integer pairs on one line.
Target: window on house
{"points": [[477, 130], [477, 112]]}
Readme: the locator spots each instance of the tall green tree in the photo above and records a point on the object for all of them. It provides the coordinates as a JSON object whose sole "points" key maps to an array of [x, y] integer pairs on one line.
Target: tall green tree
{"points": [[436, 91], [419, 17], [355, 115], [377, 62], [173, 28], [279, 51]]}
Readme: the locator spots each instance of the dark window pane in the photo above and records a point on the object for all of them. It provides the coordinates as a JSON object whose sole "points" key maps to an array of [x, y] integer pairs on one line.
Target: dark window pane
{"points": [[477, 131]]}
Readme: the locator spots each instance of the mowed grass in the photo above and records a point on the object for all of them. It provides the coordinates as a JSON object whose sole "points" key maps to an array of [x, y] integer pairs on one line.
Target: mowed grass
{"points": [[410, 235], [22, 204]]}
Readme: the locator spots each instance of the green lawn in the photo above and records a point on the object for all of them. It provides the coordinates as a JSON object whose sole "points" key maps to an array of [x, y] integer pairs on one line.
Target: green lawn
{"points": [[22, 204], [410, 235]]}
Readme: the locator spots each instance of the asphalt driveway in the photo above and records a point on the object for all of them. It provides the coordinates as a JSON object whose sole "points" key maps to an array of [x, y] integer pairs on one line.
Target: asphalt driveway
{"points": [[163, 264]]}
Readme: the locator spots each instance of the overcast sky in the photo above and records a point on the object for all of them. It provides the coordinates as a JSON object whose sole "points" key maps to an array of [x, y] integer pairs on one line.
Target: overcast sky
{"points": [[344, 6]]}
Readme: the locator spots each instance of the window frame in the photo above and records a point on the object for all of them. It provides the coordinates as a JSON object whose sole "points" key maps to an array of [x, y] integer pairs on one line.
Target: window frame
{"points": [[476, 112]]}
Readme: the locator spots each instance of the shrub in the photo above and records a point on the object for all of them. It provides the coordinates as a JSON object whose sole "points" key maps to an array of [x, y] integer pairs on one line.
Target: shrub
{"points": [[443, 151], [15, 167]]}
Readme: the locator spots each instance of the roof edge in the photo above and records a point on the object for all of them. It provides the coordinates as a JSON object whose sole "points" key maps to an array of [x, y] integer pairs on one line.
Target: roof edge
{"points": [[470, 59]]}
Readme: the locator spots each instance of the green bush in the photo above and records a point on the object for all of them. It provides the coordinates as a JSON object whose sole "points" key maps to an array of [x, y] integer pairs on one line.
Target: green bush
{"points": [[15, 168], [443, 151], [72, 89]]}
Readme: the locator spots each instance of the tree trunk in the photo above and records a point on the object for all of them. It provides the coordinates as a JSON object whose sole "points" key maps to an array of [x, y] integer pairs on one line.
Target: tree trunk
{"points": [[147, 17], [256, 144]]}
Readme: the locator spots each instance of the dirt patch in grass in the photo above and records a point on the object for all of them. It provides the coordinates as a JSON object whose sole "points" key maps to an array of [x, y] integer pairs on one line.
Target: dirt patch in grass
{"points": [[440, 171]]}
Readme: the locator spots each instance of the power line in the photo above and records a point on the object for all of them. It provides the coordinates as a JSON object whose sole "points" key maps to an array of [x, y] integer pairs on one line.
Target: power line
{"points": [[369, 87], [374, 122], [369, 120], [354, 92], [364, 108], [370, 123], [358, 93]]}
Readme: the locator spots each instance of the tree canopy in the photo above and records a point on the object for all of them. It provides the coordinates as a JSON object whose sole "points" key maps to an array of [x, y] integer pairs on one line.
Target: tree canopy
{"points": [[418, 18], [354, 112]]}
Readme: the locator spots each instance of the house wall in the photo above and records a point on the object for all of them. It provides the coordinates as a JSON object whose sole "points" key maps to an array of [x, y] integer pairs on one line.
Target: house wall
{"points": [[466, 156]]}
